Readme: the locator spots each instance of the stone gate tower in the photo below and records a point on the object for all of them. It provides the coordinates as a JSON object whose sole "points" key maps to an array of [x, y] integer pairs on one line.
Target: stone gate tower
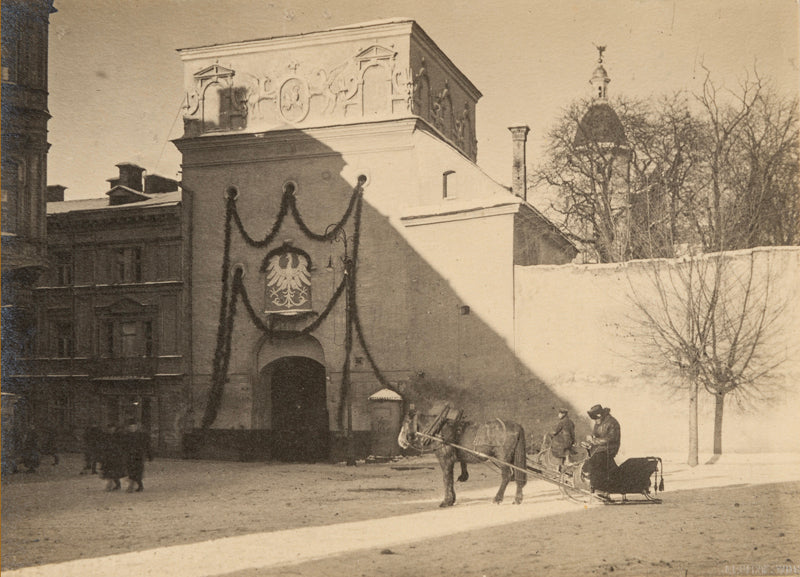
{"points": [[339, 224]]}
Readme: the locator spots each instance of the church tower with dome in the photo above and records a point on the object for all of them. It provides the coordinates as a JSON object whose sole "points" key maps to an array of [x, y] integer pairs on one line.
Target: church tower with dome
{"points": [[601, 142]]}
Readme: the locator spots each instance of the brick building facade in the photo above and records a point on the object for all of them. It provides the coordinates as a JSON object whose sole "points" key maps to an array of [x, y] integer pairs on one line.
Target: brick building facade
{"points": [[110, 336]]}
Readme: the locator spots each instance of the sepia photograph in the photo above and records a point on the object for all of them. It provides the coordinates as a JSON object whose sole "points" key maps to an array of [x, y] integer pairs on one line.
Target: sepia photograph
{"points": [[400, 289]]}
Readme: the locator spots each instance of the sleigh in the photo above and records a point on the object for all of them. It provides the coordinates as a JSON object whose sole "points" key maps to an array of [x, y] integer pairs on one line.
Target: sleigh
{"points": [[637, 480]]}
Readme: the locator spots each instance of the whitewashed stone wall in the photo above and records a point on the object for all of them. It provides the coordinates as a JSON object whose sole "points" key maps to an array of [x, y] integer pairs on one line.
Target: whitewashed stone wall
{"points": [[576, 328]]}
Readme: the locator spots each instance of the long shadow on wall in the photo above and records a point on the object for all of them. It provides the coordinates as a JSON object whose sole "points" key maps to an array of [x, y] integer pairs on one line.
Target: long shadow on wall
{"points": [[412, 324]]}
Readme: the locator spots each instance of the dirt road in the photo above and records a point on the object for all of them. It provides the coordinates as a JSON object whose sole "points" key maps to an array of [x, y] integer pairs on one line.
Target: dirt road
{"points": [[246, 519]]}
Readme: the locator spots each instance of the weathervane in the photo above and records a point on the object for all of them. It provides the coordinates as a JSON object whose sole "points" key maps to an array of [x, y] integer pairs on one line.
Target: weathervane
{"points": [[600, 50]]}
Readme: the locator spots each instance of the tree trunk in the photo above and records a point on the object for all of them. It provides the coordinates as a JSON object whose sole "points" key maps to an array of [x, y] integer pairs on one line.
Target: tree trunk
{"points": [[719, 400], [693, 444]]}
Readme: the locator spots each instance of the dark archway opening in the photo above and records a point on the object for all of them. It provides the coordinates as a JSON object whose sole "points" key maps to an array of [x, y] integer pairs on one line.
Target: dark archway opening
{"points": [[300, 427]]}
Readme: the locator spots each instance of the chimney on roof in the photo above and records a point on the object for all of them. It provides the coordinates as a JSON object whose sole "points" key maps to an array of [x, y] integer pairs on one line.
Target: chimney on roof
{"points": [[55, 193], [519, 171], [130, 175], [155, 184]]}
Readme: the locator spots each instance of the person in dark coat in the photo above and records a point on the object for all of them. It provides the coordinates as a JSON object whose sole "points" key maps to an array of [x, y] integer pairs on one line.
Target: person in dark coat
{"points": [[48, 443], [603, 446], [562, 438], [94, 439], [30, 456], [112, 461], [137, 447]]}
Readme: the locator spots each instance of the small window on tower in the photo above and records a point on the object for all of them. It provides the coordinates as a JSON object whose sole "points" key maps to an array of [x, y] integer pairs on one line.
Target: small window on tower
{"points": [[448, 181]]}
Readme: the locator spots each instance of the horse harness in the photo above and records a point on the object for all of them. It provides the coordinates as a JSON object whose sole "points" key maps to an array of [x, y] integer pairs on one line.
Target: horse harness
{"points": [[432, 432]]}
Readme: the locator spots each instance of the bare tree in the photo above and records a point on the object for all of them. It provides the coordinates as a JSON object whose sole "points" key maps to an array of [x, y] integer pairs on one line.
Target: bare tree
{"points": [[664, 173], [750, 192], [591, 177], [713, 171], [626, 199], [764, 178], [715, 320]]}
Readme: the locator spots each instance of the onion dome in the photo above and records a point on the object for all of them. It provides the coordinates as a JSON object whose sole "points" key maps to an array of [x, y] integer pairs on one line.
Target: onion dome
{"points": [[600, 124]]}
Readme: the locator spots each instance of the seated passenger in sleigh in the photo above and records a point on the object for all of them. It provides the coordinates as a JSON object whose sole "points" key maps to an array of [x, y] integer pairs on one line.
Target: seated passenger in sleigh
{"points": [[600, 470]]}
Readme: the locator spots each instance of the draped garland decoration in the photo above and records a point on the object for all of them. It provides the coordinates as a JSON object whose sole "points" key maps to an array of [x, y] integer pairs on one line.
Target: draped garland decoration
{"points": [[233, 289]]}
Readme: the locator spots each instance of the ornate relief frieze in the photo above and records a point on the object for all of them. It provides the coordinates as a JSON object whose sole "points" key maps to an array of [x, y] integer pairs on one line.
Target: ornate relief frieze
{"points": [[372, 84], [436, 106]]}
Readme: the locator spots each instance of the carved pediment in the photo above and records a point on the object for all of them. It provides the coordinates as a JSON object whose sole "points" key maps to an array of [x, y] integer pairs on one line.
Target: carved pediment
{"points": [[214, 71], [125, 306], [375, 53]]}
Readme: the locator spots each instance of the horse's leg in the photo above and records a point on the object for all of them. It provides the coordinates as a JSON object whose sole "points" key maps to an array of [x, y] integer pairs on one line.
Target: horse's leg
{"points": [[505, 478], [447, 459], [521, 462], [518, 496], [462, 478]]}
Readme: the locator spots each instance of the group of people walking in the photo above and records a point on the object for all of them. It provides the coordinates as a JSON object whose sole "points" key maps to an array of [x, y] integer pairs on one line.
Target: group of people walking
{"points": [[120, 452]]}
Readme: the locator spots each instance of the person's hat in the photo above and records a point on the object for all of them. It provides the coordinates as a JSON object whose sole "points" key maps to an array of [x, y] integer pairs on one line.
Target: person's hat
{"points": [[597, 410]]}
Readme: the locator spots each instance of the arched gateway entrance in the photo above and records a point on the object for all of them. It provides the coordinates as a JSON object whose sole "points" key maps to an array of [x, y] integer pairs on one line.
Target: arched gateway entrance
{"points": [[291, 400]]}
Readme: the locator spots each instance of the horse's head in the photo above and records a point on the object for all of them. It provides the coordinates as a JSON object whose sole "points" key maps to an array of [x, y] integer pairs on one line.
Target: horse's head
{"points": [[409, 429]]}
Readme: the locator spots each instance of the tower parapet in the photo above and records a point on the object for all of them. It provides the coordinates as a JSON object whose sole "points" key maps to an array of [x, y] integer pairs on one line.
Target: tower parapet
{"points": [[362, 73]]}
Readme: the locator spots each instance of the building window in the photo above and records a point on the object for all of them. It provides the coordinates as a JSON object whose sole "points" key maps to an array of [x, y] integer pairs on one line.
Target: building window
{"points": [[10, 52], [63, 268], [62, 341], [10, 178], [107, 342], [447, 184], [148, 339], [127, 264], [127, 338], [59, 410], [121, 409]]}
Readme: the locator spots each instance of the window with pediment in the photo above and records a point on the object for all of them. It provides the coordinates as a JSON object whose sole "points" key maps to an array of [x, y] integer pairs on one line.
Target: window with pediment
{"points": [[126, 329], [126, 338], [62, 337]]}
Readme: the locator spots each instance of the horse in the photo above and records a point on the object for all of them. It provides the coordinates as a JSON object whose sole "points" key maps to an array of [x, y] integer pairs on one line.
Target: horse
{"points": [[500, 440]]}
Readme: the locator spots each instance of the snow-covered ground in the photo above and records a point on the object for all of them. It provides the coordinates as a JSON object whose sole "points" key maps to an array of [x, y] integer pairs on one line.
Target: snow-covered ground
{"points": [[269, 550]]}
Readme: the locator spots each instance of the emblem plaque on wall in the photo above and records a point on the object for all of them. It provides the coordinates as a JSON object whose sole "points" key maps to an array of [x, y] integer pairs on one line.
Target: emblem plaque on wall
{"points": [[288, 281], [294, 99]]}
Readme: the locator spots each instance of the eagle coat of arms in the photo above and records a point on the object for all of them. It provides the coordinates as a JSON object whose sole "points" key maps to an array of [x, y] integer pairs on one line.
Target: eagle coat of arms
{"points": [[288, 281]]}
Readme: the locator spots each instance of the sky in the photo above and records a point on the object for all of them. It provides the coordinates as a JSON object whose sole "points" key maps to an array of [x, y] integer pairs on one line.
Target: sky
{"points": [[116, 80]]}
